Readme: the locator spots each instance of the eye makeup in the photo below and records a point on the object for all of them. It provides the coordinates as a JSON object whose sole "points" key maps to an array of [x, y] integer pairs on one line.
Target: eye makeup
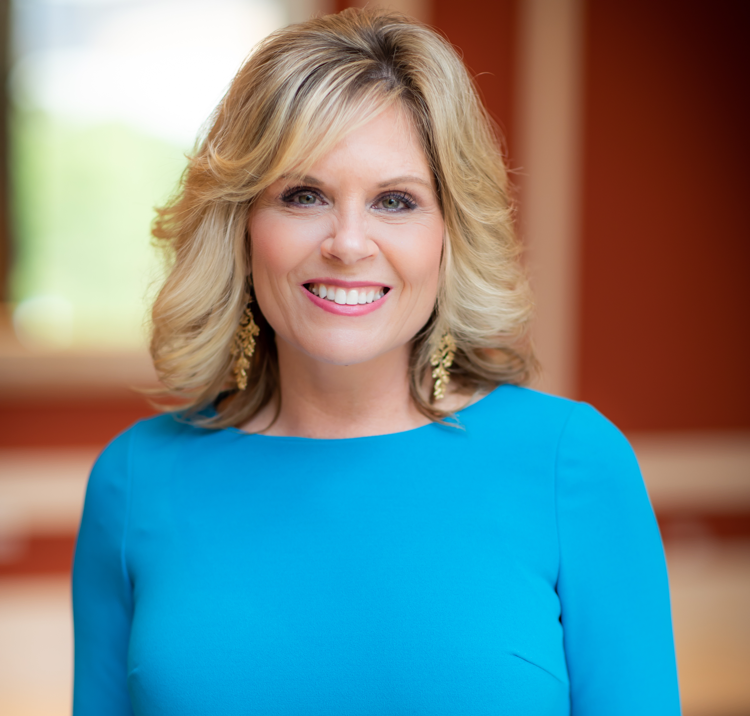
{"points": [[308, 196]]}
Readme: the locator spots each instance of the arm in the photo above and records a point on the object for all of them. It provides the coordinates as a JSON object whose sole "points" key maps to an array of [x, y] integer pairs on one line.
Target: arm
{"points": [[102, 597], [613, 579]]}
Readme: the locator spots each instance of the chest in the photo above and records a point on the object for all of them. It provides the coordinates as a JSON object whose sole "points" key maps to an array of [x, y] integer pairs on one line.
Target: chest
{"points": [[371, 591]]}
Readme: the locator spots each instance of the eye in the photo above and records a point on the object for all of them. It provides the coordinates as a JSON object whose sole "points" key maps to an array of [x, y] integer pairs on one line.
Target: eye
{"points": [[300, 197], [306, 198], [396, 202]]}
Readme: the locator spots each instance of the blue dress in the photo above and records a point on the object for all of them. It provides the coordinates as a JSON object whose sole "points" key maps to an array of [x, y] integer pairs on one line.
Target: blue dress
{"points": [[510, 566]]}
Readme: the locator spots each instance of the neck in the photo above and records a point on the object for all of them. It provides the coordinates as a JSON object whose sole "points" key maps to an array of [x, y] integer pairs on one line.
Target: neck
{"points": [[322, 400]]}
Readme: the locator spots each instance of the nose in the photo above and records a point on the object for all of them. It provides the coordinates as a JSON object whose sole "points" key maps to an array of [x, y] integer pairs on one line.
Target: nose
{"points": [[349, 242]]}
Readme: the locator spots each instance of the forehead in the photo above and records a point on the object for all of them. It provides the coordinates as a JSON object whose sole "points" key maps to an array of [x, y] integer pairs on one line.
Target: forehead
{"points": [[384, 148], [389, 139]]}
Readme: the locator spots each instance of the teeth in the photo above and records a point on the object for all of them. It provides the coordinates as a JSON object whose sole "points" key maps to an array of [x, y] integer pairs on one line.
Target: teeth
{"points": [[343, 297]]}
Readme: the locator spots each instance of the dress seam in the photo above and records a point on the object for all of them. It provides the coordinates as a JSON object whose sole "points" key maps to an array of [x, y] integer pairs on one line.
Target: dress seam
{"points": [[556, 479], [126, 521]]}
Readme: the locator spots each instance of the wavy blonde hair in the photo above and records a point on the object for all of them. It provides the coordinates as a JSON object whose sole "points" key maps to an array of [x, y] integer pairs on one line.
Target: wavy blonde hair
{"points": [[303, 89]]}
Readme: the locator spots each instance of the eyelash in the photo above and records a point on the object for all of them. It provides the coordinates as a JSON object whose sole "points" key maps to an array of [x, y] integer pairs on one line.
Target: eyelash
{"points": [[404, 198], [288, 195], [401, 196]]}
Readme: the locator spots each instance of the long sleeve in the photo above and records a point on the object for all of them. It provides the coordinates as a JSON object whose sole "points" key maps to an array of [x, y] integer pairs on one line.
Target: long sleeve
{"points": [[102, 599], [613, 580]]}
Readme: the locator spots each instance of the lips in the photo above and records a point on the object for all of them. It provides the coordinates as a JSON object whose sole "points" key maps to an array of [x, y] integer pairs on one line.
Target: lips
{"points": [[347, 296]]}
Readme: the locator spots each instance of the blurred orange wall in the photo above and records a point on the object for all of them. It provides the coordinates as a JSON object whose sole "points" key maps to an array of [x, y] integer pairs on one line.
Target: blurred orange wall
{"points": [[665, 290]]}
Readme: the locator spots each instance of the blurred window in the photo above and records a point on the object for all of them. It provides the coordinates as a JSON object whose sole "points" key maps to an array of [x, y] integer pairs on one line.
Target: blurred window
{"points": [[106, 97]]}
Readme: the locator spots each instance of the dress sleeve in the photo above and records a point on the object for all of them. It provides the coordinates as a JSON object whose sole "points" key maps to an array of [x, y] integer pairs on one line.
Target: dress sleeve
{"points": [[102, 595], [612, 583]]}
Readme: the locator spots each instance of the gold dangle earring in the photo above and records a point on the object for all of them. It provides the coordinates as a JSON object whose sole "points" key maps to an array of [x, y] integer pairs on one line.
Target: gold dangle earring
{"points": [[442, 360], [243, 346]]}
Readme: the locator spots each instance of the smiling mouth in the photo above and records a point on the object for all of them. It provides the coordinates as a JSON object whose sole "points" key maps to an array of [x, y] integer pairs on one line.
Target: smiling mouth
{"points": [[347, 297]]}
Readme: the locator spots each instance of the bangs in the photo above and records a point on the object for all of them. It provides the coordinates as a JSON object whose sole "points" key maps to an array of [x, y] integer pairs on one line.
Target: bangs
{"points": [[320, 116]]}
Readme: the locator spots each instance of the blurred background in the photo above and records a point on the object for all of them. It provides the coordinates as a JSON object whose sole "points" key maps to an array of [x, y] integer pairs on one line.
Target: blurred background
{"points": [[626, 125]]}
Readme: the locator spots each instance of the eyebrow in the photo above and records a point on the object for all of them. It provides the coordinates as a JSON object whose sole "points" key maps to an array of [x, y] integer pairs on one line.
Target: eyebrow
{"points": [[407, 178], [312, 181]]}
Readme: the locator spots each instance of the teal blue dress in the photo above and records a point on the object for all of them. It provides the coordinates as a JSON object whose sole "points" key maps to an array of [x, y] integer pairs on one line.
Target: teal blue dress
{"points": [[509, 566]]}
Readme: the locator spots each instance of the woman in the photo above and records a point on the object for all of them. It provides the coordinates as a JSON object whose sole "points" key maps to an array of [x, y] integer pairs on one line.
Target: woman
{"points": [[358, 510]]}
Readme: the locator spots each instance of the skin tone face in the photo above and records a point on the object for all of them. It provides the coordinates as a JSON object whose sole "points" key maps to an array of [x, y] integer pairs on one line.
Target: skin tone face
{"points": [[345, 265]]}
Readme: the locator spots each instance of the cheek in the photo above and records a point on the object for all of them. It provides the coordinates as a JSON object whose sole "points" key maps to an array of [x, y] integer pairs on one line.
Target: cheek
{"points": [[271, 260], [423, 264], [279, 243], [268, 257]]}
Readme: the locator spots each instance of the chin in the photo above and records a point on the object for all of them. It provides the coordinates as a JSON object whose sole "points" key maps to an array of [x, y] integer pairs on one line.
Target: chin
{"points": [[346, 355]]}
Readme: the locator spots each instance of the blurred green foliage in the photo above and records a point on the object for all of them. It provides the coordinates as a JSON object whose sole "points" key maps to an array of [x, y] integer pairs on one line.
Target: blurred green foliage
{"points": [[83, 201]]}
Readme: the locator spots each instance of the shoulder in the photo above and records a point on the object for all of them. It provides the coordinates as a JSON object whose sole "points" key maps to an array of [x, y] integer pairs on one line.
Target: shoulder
{"points": [[572, 436], [157, 429], [590, 464], [590, 445], [530, 402], [109, 490], [148, 441], [595, 464], [530, 415], [535, 411]]}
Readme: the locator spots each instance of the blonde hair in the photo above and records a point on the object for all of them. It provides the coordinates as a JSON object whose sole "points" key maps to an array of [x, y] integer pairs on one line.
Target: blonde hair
{"points": [[298, 94]]}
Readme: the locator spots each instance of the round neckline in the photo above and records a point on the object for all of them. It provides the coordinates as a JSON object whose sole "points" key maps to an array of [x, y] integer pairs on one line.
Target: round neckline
{"points": [[411, 431]]}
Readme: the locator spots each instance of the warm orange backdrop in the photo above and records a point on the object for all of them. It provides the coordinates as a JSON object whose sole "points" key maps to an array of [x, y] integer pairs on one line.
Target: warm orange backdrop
{"points": [[485, 34], [665, 309]]}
